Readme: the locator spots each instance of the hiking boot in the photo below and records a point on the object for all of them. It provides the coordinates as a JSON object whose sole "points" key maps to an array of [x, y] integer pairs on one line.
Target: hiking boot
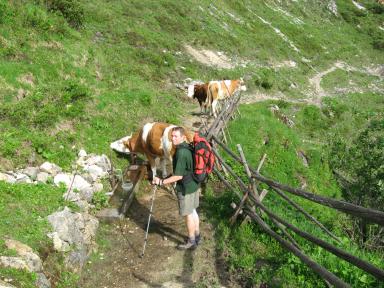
{"points": [[190, 244], [198, 239]]}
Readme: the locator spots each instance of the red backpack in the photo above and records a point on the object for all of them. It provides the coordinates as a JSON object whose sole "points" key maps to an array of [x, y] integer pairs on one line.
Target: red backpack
{"points": [[203, 158]]}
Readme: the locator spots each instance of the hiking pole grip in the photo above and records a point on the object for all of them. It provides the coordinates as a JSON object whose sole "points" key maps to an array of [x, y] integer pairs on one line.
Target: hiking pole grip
{"points": [[149, 220]]}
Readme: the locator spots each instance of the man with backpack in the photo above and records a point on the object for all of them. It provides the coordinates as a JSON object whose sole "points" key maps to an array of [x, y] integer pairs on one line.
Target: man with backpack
{"points": [[186, 187]]}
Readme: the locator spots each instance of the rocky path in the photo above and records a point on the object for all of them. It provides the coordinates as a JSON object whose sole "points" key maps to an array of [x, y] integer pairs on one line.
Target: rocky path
{"points": [[118, 264]]}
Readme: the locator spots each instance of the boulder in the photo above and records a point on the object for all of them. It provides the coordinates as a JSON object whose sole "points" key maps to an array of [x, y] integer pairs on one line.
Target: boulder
{"points": [[50, 168]]}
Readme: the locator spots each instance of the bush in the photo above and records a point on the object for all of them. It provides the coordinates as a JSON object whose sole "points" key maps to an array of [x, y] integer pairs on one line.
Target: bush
{"points": [[37, 17], [71, 10], [5, 12], [265, 79], [333, 108]]}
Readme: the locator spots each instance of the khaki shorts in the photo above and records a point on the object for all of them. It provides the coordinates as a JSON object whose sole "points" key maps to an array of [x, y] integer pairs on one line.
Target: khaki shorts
{"points": [[188, 202]]}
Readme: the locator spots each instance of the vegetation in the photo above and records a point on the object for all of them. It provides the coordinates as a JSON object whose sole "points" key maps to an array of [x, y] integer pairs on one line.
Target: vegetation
{"points": [[80, 74], [258, 256]]}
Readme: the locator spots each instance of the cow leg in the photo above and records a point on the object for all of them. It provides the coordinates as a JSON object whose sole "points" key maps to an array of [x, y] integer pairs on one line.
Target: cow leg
{"points": [[214, 104], [164, 167], [152, 163]]}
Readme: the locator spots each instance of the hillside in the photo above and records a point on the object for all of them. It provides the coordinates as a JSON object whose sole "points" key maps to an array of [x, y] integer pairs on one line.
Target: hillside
{"points": [[81, 74]]}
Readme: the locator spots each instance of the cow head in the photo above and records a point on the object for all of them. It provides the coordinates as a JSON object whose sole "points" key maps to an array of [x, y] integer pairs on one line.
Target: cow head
{"points": [[120, 145], [191, 90], [128, 143], [242, 85]]}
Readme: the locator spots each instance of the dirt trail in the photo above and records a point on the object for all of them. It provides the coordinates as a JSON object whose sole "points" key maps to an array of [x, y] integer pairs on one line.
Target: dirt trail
{"points": [[119, 265]]}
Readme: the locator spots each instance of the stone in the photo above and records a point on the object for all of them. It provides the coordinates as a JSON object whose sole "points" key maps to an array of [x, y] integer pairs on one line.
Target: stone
{"points": [[97, 187], [76, 229], [31, 172], [42, 281], [7, 178], [22, 178], [82, 153], [5, 285], [13, 262], [31, 259], [79, 183], [50, 168], [42, 177]]}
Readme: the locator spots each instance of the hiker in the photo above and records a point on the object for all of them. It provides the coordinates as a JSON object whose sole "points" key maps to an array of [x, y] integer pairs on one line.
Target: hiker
{"points": [[186, 187]]}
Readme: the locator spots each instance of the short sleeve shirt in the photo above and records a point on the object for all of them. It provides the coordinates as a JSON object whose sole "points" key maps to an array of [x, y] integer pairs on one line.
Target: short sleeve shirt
{"points": [[182, 166]]}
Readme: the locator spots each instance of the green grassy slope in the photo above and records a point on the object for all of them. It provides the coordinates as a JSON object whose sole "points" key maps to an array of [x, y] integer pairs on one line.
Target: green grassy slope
{"points": [[89, 85], [80, 74]]}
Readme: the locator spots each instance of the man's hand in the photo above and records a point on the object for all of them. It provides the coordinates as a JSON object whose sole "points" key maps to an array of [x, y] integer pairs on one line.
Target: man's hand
{"points": [[156, 181]]}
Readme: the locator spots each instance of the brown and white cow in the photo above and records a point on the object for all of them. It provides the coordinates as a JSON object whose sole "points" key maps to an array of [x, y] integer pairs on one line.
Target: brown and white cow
{"points": [[220, 90], [200, 92], [154, 141]]}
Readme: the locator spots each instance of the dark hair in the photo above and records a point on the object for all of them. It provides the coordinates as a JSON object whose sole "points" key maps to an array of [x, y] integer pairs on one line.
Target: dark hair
{"points": [[180, 129]]}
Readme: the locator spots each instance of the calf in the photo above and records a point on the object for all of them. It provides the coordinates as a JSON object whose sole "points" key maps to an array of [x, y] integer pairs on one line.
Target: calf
{"points": [[154, 141], [220, 90]]}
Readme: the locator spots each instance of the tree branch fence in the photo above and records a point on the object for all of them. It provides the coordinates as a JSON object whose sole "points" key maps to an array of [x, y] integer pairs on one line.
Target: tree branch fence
{"points": [[250, 201]]}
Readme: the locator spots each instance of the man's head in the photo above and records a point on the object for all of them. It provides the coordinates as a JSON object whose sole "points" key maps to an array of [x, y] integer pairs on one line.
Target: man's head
{"points": [[178, 135]]}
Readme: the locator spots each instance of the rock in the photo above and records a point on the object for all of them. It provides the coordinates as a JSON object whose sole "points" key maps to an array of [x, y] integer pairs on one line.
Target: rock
{"points": [[76, 260], [5, 285], [76, 229], [31, 259], [42, 177], [7, 178], [31, 172], [95, 171], [72, 196], [58, 244], [79, 183], [13, 262], [22, 178], [97, 187], [82, 153], [50, 168], [83, 205], [42, 281], [87, 193]]}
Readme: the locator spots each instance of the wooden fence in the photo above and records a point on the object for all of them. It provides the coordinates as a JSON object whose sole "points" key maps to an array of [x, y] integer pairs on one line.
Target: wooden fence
{"points": [[250, 201]]}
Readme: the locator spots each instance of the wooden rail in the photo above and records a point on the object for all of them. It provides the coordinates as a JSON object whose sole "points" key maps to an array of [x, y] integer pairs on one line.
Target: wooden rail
{"points": [[249, 198]]}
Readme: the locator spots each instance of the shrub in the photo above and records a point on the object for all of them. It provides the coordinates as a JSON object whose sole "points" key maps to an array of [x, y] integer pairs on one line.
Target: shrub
{"points": [[265, 79], [36, 17], [333, 108], [71, 10], [100, 200]]}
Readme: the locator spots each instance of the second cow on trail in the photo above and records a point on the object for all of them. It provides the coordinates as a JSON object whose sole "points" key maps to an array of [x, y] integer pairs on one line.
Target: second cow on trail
{"points": [[155, 142], [208, 94], [221, 90]]}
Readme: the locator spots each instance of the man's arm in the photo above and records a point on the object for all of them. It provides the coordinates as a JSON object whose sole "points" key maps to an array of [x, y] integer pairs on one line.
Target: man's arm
{"points": [[169, 180]]}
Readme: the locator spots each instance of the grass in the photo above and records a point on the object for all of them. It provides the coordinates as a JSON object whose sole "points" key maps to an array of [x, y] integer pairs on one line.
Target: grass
{"points": [[259, 258], [25, 208], [86, 78]]}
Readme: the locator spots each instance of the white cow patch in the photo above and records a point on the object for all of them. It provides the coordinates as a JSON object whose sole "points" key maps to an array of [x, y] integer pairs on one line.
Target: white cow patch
{"points": [[146, 129], [166, 145]]}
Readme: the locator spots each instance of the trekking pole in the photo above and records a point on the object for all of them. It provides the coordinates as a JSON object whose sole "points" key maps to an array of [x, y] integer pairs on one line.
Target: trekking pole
{"points": [[149, 220]]}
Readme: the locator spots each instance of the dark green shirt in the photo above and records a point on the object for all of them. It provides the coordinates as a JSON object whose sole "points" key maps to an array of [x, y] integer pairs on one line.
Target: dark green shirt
{"points": [[182, 166]]}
